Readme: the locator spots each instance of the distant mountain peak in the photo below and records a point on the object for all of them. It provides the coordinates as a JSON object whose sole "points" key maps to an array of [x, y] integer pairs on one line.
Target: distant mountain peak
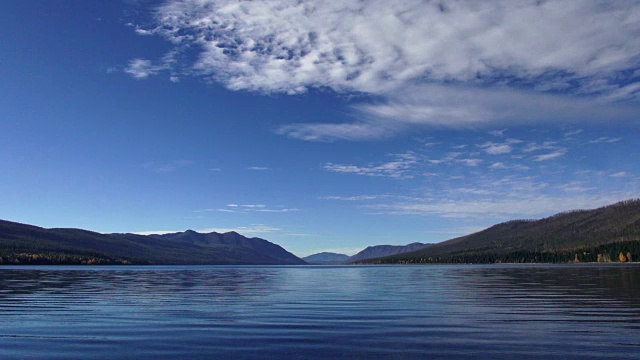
{"points": [[326, 258], [386, 250]]}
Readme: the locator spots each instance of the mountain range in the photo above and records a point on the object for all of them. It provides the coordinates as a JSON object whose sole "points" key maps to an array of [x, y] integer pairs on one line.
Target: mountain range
{"points": [[610, 233], [326, 258], [385, 250], [607, 233], [27, 244], [376, 251]]}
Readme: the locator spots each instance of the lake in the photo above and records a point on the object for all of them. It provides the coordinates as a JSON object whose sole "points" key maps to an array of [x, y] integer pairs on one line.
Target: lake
{"points": [[321, 312]]}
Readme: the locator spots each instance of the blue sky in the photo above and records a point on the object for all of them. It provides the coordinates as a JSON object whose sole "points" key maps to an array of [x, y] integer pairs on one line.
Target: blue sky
{"points": [[322, 126]]}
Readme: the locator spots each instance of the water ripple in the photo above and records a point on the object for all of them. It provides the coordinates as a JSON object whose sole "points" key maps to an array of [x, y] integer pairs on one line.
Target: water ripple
{"points": [[395, 312]]}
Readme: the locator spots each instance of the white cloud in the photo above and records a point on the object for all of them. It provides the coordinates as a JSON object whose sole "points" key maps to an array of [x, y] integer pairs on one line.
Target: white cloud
{"points": [[141, 31], [252, 230], [626, 92], [464, 64], [265, 208], [400, 168], [225, 210], [331, 132], [604, 140], [258, 168], [546, 145], [576, 186], [278, 210], [472, 191], [497, 190], [549, 156], [620, 174], [142, 69], [573, 133], [352, 198], [457, 106], [524, 206], [470, 162], [495, 149], [455, 157], [286, 210], [370, 46], [253, 208]]}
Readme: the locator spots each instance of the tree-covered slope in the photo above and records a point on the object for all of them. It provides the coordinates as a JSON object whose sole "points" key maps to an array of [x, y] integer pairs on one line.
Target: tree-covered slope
{"points": [[550, 239], [377, 251], [20, 243]]}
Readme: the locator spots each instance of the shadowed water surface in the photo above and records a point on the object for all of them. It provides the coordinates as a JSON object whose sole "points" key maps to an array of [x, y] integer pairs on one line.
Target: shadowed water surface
{"points": [[395, 312]]}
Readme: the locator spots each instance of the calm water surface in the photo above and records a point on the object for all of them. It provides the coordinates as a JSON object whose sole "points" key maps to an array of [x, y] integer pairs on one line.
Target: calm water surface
{"points": [[395, 312]]}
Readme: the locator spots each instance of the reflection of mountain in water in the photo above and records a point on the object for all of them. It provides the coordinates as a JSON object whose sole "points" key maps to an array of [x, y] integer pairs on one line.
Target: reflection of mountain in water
{"points": [[341, 312], [49, 287], [589, 287]]}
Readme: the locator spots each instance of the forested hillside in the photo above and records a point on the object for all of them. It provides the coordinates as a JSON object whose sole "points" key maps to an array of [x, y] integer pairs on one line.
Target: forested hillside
{"points": [[27, 244], [580, 235]]}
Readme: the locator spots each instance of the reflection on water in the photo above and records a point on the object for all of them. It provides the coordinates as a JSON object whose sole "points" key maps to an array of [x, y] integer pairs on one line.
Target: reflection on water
{"points": [[495, 311]]}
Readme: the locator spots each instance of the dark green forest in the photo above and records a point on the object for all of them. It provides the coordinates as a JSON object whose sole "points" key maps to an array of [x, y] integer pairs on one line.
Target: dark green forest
{"points": [[59, 258], [626, 251], [598, 235]]}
